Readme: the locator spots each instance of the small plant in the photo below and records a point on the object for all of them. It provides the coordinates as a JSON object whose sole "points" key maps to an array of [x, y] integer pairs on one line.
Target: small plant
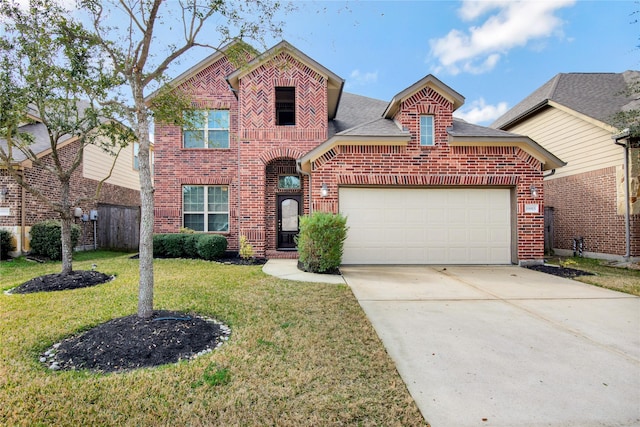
{"points": [[46, 238], [214, 376], [246, 249], [6, 244], [321, 240], [568, 263]]}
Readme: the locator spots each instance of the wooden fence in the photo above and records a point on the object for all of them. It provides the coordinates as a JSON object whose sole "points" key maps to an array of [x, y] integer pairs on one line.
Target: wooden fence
{"points": [[118, 227]]}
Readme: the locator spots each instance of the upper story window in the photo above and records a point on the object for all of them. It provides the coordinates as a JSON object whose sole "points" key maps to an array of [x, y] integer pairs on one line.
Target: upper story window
{"points": [[285, 106], [136, 160], [210, 129], [426, 131]]}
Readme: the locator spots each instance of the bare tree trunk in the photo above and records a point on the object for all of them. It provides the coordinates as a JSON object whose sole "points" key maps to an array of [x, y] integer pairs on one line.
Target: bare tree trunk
{"points": [[65, 231], [145, 292], [67, 248]]}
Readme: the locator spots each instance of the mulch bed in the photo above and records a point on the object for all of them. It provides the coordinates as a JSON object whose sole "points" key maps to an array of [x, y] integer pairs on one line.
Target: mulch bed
{"points": [[132, 342], [61, 282], [565, 272], [128, 342]]}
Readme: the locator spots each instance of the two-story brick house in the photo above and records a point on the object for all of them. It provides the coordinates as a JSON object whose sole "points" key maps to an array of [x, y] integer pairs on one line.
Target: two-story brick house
{"points": [[280, 138]]}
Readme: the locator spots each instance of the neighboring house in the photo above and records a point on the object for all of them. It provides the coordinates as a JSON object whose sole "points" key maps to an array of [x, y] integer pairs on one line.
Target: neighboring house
{"points": [[282, 139], [572, 116], [19, 209]]}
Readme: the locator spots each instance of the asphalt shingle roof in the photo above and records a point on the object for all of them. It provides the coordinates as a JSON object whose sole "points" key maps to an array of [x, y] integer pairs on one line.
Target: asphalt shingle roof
{"points": [[355, 110], [596, 95]]}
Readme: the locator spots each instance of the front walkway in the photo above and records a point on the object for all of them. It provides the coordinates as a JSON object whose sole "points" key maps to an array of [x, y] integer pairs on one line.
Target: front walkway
{"points": [[288, 269]]}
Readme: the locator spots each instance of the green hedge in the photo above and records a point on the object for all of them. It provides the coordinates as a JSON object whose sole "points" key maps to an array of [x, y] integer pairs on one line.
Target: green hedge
{"points": [[46, 238], [211, 246], [189, 245], [320, 241], [6, 244]]}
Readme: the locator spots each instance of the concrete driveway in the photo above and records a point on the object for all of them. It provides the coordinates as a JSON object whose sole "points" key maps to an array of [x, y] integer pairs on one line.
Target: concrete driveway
{"points": [[506, 346]]}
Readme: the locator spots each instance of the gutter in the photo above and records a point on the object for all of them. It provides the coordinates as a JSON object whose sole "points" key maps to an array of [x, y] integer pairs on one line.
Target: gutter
{"points": [[300, 171], [624, 136]]}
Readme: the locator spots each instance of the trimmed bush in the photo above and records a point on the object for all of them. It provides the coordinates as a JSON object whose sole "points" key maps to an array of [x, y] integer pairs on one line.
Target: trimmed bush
{"points": [[158, 245], [46, 238], [174, 245], [6, 244], [320, 241], [211, 246], [190, 245]]}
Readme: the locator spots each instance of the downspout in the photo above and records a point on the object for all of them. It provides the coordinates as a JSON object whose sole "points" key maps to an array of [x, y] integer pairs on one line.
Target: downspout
{"points": [[624, 135], [23, 217], [553, 172], [300, 171]]}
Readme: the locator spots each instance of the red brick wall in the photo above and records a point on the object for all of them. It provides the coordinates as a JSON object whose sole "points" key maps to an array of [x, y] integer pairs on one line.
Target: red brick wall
{"points": [[440, 165], [262, 149], [585, 206], [255, 143], [48, 184]]}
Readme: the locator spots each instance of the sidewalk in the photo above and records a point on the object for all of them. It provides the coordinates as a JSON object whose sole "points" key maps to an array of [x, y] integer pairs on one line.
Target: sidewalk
{"points": [[288, 269]]}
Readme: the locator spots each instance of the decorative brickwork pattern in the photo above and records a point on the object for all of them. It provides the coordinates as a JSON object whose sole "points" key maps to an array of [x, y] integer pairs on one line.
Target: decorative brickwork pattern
{"points": [[260, 151]]}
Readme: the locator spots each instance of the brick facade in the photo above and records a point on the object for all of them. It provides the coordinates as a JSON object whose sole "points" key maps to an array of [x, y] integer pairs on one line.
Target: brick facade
{"points": [[585, 205], [259, 151], [48, 184]]}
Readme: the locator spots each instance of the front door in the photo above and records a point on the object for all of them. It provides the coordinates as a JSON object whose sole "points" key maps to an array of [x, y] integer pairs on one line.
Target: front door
{"points": [[288, 218]]}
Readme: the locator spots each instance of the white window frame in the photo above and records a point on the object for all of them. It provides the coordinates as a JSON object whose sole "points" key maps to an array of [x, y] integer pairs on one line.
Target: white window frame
{"points": [[206, 128], [427, 136], [205, 206]]}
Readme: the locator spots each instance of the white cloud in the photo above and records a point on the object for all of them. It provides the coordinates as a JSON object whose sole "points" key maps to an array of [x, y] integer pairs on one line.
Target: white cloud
{"points": [[359, 78], [481, 113], [511, 24]]}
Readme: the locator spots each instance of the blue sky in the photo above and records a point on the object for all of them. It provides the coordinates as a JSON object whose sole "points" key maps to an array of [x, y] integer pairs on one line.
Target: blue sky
{"points": [[492, 52]]}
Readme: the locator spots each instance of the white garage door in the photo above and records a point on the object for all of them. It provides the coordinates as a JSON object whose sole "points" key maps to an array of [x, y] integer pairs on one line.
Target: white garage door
{"points": [[426, 226]]}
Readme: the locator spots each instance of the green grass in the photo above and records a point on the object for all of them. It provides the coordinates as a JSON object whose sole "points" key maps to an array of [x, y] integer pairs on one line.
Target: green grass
{"points": [[615, 278], [300, 354]]}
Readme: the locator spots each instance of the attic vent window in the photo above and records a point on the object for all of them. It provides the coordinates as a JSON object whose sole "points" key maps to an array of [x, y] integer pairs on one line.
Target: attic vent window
{"points": [[285, 106]]}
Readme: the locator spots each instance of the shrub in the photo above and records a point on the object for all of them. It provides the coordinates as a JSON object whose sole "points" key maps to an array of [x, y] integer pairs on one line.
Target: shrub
{"points": [[320, 241], [6, 244], [190, 245], [173, 245], [246, 249], [46, 238], [211, 246], [158, 245]]}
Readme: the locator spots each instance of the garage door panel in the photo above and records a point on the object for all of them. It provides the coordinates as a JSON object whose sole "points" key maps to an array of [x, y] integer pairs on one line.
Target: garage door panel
{"points": [[426, 226]]}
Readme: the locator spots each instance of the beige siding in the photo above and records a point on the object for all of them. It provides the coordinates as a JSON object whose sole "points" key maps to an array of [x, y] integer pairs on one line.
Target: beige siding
{"points": [[97, 164], [584, 146]]}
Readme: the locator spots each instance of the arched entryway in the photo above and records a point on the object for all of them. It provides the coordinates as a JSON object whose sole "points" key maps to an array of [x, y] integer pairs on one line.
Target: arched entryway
{"points": [[284, 204]]}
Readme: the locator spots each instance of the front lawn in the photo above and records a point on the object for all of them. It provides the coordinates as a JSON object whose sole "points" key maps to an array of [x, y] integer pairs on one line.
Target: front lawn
{"points": [[299, 353], [604, 275]]}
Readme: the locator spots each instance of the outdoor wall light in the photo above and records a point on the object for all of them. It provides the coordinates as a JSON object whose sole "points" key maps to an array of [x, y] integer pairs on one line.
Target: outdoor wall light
{"points": [[3, 193], [324, 190], [534, 191]]}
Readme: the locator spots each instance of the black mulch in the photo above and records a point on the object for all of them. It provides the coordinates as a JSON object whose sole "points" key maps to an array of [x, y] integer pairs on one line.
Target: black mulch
{"points": [[132, 342], [60, 282], [566, 272]]}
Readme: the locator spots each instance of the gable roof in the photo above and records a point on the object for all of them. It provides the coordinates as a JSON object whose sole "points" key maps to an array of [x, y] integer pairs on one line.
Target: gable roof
{"points": [[428, 81], [334, 82], [463, 134], [192, 71], [595, 95]]}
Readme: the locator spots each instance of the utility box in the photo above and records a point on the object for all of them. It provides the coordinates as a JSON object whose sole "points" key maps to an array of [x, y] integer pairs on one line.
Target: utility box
{"points": [[93, 215]]}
